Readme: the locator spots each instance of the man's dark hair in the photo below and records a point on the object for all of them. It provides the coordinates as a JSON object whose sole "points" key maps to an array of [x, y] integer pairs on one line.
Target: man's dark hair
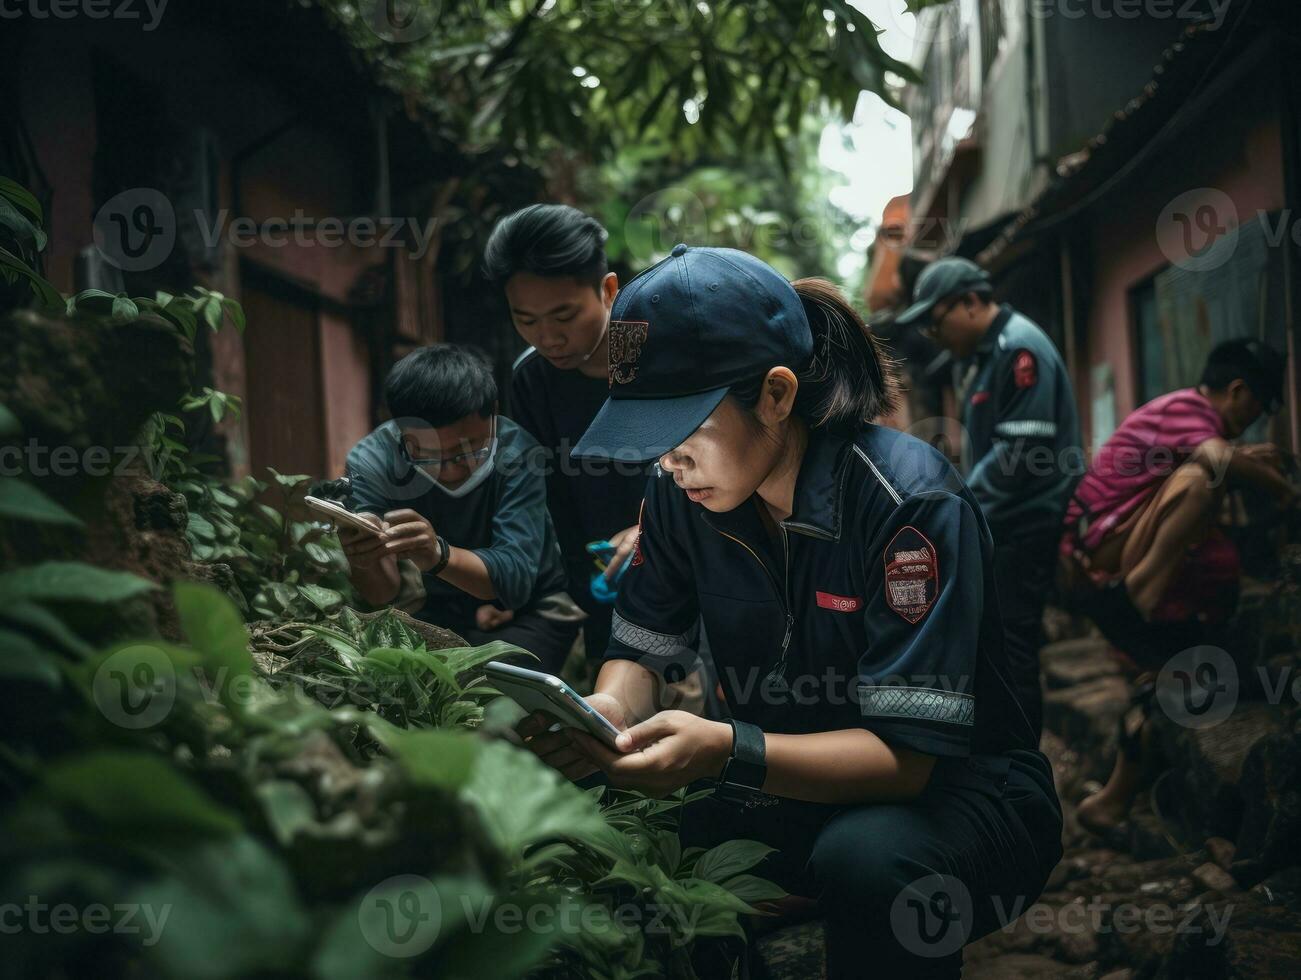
{"points": [[1255, 362], [441, 384], [552, 240]]}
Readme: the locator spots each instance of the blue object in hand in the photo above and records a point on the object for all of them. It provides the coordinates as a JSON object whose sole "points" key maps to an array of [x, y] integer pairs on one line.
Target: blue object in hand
{"points": [[603, 590]]}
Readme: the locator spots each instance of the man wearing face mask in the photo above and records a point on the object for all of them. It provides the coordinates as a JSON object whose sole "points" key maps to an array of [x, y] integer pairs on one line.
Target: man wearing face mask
{"points": [[458, 497]]}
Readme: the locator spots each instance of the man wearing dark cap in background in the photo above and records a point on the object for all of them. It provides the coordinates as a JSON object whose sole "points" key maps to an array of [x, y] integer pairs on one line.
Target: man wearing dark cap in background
{"points": [[1023, 435], [1142, 546]]}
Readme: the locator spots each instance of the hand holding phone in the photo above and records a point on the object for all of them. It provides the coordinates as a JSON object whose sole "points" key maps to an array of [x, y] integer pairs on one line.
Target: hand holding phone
{"points": [[538, 692]]}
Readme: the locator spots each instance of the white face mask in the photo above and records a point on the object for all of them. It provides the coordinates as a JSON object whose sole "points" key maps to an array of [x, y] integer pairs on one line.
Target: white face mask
{"points": [[481, 472]]}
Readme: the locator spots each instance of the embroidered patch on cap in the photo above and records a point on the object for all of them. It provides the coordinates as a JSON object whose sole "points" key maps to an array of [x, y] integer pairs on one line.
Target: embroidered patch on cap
{"points": [[626, 339], [1024, 370], [912, 574], [840, 603]]}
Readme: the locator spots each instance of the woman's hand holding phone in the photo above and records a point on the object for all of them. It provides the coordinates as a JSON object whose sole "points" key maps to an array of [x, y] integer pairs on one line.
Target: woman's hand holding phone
{"points": [[662, 754], [562, 750]]}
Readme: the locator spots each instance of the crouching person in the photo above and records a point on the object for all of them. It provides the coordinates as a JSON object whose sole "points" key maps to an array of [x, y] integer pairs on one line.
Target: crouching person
{"points": [[459, 501], [841, 572], [1143, 553]]}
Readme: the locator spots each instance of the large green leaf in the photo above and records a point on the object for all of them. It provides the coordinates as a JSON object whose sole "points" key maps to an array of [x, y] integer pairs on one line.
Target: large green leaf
{"points": [[21, 659], [213, 626], [22, 501], [22, 198], [730, 858], [233, 912], [70, 581], [9, 424], [137, 794], [39, 619], [440, 759], [522, 801]]}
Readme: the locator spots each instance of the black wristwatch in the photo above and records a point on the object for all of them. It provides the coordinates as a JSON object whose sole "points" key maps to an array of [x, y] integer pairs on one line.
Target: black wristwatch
{"points": [[446, 550], [742, 778]]}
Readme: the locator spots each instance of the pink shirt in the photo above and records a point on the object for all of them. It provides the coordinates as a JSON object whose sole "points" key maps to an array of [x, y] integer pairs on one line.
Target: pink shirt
{"points": [[1146, 448]]}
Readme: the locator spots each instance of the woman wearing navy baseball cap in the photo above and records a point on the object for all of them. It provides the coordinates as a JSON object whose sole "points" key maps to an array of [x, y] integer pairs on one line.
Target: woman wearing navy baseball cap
{"points": [[840, 570]]}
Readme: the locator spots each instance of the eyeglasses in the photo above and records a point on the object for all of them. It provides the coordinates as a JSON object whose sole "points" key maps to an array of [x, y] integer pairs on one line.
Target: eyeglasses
{"points": [[475, 456], [932, 328]]}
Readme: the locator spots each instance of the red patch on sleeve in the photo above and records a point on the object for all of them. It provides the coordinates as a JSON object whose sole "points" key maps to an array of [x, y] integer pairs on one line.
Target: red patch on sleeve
{"points": [[912, 574], [1024, 370]]}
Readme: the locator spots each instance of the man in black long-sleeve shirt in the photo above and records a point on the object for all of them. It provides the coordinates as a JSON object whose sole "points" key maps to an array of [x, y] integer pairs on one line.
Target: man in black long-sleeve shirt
{"points": [[550, 260]]}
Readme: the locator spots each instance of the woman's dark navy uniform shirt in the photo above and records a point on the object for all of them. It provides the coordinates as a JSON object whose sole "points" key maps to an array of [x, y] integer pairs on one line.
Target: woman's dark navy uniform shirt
{"points": [[879, 585]]}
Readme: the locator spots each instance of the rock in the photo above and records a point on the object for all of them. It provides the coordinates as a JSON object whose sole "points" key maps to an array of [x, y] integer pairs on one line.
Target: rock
{"points": [[1085, 717], [1026, 966], [1212, 876], [795, 953], [1208, 767], [1242, 938], [1221, 851], [1073, 662], [1271, 819]]}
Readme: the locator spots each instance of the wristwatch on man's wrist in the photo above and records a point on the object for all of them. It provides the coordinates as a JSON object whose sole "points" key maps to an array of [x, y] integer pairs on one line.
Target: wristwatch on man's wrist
{"points": [[746, 768]]}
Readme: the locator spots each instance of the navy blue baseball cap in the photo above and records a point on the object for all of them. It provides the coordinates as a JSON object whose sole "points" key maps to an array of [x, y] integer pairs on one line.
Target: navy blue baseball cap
{"points": [[682, 334]]}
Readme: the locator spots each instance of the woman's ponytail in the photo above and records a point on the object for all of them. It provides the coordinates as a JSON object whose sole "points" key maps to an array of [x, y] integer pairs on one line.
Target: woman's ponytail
{"points": [[849, 379]]}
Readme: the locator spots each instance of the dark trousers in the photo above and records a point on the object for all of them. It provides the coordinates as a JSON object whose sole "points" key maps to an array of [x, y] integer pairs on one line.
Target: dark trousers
{"points": [[903, 887], [1024, 566], [548, 640]]}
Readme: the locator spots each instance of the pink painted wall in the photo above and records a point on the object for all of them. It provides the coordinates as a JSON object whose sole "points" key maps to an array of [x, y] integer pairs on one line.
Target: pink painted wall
{"points": [[1239, 152]]}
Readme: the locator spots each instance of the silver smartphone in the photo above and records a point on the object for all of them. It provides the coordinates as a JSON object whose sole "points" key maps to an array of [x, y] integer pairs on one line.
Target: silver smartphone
{"points": [[340, 515], [533, 691]]}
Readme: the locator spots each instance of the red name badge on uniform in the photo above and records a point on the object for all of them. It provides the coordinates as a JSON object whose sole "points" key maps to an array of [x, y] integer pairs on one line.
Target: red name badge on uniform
{"points": [[912, 574], [839, 603]]}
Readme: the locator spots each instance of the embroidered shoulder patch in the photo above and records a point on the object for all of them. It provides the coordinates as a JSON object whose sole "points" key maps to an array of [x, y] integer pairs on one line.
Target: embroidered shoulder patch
{"points": [[626, 339], [1025, 372], [912, 574]]}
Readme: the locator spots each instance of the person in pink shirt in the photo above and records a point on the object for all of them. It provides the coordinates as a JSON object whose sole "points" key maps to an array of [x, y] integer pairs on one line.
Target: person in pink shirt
{"points": [[1142, 552]]}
